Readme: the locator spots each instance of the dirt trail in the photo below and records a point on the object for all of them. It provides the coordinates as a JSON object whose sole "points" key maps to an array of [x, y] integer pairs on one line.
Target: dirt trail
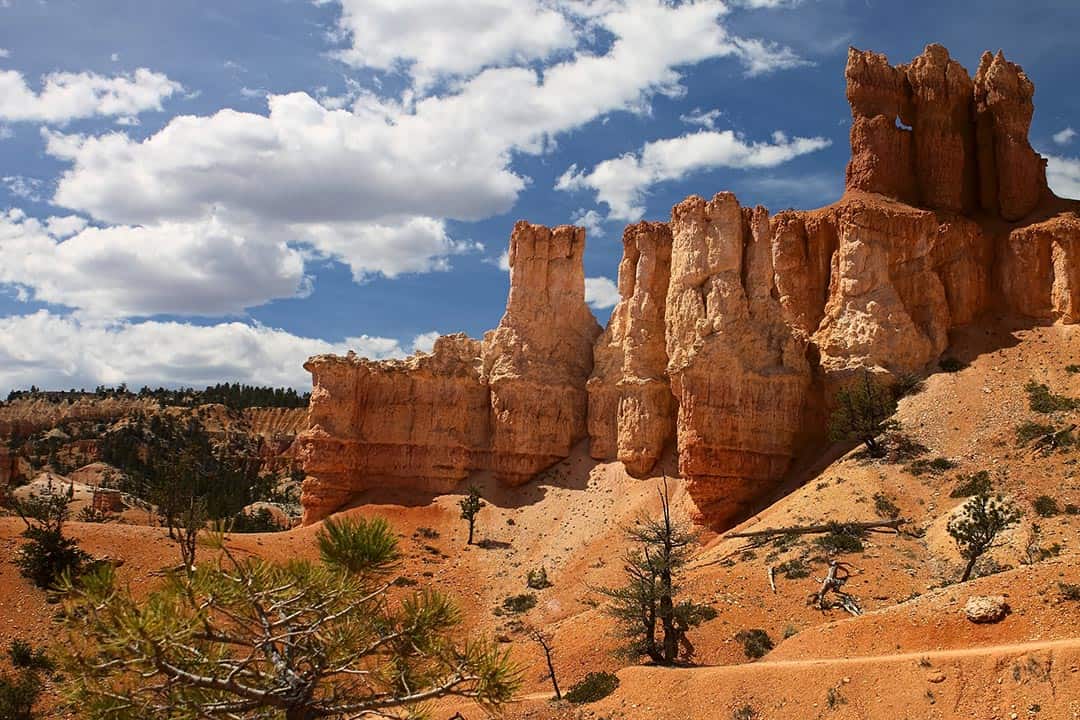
{"points": [[1024, 647]]}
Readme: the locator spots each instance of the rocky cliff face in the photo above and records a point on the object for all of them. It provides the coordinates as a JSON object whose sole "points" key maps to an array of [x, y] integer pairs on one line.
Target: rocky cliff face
{"points": [[630, 401], [514, 403], [738, 373], [537, 362], [732, 328]]}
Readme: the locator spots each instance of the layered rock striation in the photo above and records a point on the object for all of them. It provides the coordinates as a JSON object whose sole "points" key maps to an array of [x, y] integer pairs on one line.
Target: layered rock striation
{"points": [[733, 328], [631, 414], [514, 403]]}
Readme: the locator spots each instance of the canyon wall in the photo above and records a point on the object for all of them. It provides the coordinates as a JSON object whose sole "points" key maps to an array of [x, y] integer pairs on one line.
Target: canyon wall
{"points": [[733, 327], [514, 403]]}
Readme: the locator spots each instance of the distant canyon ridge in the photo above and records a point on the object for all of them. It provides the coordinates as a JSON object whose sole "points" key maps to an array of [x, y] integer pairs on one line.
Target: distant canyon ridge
{"points": [[734, 327]]}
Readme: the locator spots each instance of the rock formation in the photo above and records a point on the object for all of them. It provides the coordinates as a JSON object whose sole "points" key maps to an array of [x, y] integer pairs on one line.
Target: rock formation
{"points": [[733, 328], [514, 403], [421, 421], [630, 401], [738, 373], [537, 362]]}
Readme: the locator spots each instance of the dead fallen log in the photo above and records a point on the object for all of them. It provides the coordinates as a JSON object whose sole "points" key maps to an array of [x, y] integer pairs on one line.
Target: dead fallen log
{"points": [[823, 528]]}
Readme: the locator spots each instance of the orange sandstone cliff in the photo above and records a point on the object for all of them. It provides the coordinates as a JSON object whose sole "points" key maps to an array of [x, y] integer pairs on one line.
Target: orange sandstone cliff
{"points": [[733, 326]]}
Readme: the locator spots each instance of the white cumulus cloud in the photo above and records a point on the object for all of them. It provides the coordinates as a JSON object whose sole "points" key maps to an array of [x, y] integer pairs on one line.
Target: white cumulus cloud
{"points": [[372, 185], [706, 120], [1063, 176], [601, 292], [66, 96], [623, 182], [196, 268], [1064, 137], [435, 38], [57, 351], [592, 221]]}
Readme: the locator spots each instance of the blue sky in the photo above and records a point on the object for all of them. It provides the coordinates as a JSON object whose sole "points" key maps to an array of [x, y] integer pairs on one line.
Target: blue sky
{"points": [[193, 192]]}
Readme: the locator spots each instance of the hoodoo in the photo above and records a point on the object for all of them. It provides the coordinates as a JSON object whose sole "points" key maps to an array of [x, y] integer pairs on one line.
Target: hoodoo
{"points": [[731, 325]]}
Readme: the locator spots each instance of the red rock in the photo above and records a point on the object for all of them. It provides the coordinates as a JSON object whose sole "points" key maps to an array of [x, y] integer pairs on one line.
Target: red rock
{"points": [[738, 373], [1012, 175], [631, 414], [537, 361], [732, 328]]}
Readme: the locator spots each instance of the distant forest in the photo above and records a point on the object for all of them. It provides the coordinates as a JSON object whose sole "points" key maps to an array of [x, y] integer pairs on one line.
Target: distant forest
{"points": [[234, 395]]}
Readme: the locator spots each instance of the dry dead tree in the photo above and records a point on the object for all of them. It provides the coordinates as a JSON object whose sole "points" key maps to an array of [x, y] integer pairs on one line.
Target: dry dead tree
{"points": [[545, 643], [834, 582], [874, 525]]}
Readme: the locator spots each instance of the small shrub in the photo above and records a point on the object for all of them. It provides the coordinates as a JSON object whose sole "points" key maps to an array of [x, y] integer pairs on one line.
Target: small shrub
{"points": [[48, 555], [901, 447], [786, 540], [1028, 431], [1072, 369], [1043, 401], [18, 694], [861, 413], [756, 643], [1045, 506], [833, 698], [402, 581], [517, 604], [427, 533], [973, 484], [794, 569], [260, 521], [841, 539], [906, 385], [24, 656], [89, 514], [538, 579], [1071, 509], [951, 365], [595, 686], [790, 631], [744, 713], [977, 524], [1068, 591], [885, 507], [1045, 553], [936, 466]]}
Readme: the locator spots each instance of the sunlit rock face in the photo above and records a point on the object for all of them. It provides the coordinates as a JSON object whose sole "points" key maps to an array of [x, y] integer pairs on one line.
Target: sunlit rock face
{"points": [[733, 328], [631, 408], [538, 360]]}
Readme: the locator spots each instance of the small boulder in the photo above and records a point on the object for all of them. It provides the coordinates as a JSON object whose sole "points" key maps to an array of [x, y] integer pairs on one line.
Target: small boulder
{"points": [[986, 608]]}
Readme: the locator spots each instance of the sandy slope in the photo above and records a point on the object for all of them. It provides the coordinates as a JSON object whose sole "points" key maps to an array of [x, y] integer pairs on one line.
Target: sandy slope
{"points": [[570, 520]]}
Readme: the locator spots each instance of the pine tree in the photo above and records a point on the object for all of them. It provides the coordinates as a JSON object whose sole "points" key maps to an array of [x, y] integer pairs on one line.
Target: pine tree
{"points": [[977, 524], [249, 639], [648, 598], [470, 505], [862, 413]]}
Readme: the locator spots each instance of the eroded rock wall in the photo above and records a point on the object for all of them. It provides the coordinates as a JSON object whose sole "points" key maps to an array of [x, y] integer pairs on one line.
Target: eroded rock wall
{"points": [[738, 373], [421, 422], [733, 328], [631, 415], [514, 403], [538, 360]]}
